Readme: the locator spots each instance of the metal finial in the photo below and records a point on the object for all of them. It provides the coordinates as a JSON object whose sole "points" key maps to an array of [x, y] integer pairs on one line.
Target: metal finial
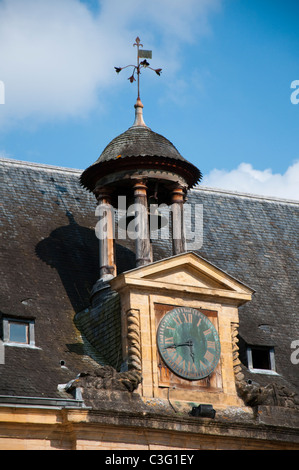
{"points": [[141, 54]]}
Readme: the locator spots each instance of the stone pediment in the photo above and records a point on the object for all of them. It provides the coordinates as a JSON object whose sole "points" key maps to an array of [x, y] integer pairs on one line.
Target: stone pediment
{"points": [[187, 272]]}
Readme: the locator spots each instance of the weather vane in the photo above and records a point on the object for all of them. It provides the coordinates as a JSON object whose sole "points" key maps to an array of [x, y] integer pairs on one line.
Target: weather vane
{"points": [[141, 54]]}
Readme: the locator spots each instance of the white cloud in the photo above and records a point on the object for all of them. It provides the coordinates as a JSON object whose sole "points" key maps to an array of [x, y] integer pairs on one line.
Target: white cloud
{"points": [[48, 52], [172, 19], [57, 56], [246, 179]]}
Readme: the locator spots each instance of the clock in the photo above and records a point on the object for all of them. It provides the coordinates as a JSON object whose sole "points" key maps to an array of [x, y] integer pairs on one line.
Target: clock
{"points": [[188, 343]]}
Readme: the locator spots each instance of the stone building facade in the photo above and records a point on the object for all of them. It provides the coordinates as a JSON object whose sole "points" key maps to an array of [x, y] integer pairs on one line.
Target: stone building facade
{"points": [[82, 365]]}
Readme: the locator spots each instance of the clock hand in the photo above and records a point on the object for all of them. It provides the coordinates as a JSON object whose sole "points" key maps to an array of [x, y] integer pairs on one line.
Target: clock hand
{"points": [[190, 344], [172, 346], [187, 343], [191, 352]]}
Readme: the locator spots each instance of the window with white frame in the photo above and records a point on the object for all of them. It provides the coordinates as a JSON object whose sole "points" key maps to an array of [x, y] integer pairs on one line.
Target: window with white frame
{"points": [[18, 332], [261, 359]]}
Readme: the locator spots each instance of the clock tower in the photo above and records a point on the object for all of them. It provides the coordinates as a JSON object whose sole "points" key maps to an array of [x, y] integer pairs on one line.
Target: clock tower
{"points": [[179, 329], [178, 315]]}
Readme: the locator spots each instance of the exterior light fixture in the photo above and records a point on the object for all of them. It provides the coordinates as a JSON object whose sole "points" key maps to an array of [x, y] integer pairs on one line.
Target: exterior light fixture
{"points": [[203, 411]]}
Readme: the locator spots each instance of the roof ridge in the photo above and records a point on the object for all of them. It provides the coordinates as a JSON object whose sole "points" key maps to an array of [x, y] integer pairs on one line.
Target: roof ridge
{"points": [[245, 195], [42, 166]]}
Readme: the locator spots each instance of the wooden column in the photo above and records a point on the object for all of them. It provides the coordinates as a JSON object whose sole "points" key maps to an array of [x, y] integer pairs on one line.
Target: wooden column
{"points": [[143, 244], [105, 233], [178, 229]]}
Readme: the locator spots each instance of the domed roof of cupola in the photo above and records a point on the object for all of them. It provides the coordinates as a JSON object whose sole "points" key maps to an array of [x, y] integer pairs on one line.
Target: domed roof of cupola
{"points": [[139, 142], [139, 148]]}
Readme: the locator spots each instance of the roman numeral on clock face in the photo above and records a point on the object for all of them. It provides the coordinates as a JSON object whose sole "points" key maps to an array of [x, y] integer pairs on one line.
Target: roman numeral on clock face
{"points": [[169, 340], [187, 317], [177, 320], [209, 356]]}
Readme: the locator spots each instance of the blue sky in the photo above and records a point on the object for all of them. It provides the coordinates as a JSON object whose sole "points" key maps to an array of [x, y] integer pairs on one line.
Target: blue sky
{"points": [[223, 98]]}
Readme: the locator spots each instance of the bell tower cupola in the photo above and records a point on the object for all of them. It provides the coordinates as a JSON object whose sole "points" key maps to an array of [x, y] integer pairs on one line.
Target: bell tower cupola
{"points": [[145, 168]]}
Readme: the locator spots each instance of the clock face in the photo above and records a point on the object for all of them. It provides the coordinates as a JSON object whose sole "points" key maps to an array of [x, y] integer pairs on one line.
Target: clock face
{"points": [[188, 343]]}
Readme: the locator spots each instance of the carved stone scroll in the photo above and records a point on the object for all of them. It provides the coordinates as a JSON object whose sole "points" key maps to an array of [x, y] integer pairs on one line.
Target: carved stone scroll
{"points": [[236, 361], [134, 341]]}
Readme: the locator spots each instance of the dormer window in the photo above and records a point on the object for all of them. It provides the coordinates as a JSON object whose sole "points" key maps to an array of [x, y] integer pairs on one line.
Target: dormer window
{"points": [[261, 359], [18, 332]]}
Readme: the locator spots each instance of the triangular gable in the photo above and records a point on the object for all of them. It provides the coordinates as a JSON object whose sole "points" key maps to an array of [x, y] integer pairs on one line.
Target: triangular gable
{"points": [[188, 272]]}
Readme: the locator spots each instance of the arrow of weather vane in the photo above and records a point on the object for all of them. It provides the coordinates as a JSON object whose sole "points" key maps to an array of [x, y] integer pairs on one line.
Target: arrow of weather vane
{"points": [[141, 54]]}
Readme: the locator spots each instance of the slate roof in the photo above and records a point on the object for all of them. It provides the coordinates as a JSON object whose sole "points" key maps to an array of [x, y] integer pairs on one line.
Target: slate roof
{"points": [[49, 263], [143, 144], [139, 141]]}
